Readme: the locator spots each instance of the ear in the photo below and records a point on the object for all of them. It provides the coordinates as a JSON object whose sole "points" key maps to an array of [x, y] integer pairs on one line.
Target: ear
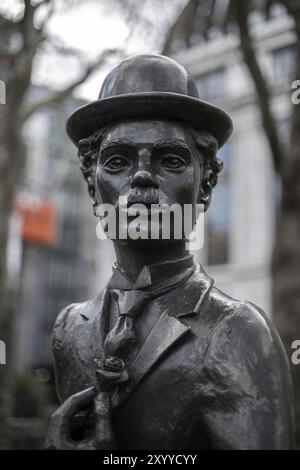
{"points": [[88, 149], [88, 169], [92, 192], [205, 190]]}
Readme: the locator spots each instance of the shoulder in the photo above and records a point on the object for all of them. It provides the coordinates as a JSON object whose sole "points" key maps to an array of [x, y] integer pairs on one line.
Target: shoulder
{"points": [[244, 347], [223, 312], [70, 320], [71, 344], [242, 323], [67, 318]]}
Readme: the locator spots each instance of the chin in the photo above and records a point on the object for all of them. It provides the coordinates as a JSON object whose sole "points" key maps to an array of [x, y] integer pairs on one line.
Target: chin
{"points": [[144, 233]]}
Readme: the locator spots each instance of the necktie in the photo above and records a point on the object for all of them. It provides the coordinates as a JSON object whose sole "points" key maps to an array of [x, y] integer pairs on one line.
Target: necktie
{"points": [[121, 341]]}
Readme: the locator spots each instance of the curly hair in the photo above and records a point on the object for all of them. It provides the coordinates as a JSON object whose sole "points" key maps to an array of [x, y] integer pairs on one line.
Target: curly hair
{"points": [[205, 143], [207, 146], [88, 153]]}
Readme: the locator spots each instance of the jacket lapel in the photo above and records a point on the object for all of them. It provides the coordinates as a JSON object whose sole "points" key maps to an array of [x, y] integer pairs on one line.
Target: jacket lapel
{"points": [[166, 333], [99, 326]]}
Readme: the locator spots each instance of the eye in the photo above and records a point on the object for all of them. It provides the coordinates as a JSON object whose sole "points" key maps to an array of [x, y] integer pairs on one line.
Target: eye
{"points": [[116, 163], [173, 162]]}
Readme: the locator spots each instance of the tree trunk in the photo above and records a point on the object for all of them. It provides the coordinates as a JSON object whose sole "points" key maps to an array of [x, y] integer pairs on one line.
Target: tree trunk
{"points": [[286, 252], [11, 165], [286, 282], [286, 255]]}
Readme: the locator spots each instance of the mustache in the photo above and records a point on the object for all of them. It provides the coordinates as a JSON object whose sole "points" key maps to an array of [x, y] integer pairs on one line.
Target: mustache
{"points": [[143, 196]]}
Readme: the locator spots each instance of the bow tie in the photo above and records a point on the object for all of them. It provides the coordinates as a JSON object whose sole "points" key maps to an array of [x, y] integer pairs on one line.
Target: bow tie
{"points": [[151, 276]]}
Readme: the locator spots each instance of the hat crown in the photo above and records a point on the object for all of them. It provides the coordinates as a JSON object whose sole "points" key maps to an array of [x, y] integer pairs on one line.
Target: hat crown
{"points": [[146, 73], [148, 86]]}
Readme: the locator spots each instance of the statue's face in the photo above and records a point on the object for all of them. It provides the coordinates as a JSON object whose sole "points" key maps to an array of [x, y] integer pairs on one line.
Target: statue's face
{"points": [[149, 162]]}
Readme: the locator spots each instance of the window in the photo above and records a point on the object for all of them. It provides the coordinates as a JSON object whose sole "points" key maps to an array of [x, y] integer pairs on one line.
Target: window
{"points": [[284, 129], [218, 215], [284, 63], [211, 85], [256, 18], [277, 10]]}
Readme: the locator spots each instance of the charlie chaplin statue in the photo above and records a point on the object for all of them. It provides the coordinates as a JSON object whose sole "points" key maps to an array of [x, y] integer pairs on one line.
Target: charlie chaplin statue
{"points": [[162, 359]]}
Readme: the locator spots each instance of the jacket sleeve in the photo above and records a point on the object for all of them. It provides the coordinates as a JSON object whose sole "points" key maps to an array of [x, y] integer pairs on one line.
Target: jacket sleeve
{"points": [[62, 350], [248, 383]]}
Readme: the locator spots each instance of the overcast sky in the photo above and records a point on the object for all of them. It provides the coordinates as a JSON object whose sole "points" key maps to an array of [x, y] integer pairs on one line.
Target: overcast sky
{"points": [[92, 26]]}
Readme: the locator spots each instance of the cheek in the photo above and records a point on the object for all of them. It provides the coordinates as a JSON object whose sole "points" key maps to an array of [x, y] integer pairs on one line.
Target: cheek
{"points": [[110, 186], [181, 188], [185, 188]]}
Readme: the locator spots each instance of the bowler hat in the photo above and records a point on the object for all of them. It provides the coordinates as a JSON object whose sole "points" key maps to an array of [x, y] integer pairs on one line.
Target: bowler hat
{"points": [[148, 86]]}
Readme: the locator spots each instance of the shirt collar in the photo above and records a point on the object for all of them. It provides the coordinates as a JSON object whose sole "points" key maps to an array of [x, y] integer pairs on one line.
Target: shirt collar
{"points": [[150, 276]]}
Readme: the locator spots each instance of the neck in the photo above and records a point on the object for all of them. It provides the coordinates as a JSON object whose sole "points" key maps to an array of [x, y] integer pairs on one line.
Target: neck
{"points": [[133, 256]]}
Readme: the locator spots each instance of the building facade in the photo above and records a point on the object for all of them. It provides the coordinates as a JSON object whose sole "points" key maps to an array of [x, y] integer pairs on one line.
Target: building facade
{"points": [[54, 253], [241, 220]]}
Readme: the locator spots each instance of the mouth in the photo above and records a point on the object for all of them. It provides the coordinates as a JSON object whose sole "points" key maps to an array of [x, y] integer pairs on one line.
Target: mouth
{"points": [[145, 196]]}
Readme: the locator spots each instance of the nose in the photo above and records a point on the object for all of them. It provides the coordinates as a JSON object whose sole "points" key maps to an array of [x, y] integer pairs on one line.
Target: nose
{"points": [[143, 179], [143, 176]]}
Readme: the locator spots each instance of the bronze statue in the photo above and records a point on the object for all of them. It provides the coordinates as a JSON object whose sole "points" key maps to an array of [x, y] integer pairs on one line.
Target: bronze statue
{"points": [[162, 359]]}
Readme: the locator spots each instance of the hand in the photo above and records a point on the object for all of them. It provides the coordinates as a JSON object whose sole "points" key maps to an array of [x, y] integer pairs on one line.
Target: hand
{"points": [[58, 436], [109, 373]]}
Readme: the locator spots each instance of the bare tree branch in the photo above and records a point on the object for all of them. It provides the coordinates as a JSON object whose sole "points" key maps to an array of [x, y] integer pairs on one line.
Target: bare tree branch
{"points": [[210, 18], [27, 24], [292, 163], [292, 6], [59, 47], [183, 26], [61, 94], [247, 48], [49, 13]]}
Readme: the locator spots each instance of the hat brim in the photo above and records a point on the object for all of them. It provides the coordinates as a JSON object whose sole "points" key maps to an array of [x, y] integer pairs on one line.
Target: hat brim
{"points": [[159, 105]]}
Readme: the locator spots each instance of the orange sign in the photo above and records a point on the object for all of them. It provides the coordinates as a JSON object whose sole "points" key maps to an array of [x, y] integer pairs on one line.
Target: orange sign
{"points": [[38, 221]]}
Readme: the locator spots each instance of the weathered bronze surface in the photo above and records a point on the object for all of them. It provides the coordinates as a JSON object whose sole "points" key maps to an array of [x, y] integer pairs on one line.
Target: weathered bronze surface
{"points": [[162, 359]]}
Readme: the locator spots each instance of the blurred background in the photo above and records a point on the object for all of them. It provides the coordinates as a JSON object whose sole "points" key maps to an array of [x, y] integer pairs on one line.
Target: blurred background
{"points": [[54, 55]]}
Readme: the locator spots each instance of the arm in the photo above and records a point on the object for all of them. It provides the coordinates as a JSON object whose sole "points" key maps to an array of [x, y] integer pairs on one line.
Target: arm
{"points": [[248, 380], [76, 394], [60, 346], [59, 430]]}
